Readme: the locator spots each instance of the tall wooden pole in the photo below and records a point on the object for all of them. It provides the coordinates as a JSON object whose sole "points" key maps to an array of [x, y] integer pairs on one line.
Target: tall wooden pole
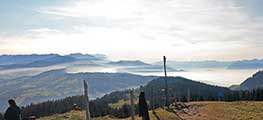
{"points": [[152, 103], [166, 85], [86, 100], [188, 95], [132, 105]]}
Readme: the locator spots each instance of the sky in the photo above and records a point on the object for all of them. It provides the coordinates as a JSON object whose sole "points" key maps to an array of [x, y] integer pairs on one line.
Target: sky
{"points": [[134, 29]]}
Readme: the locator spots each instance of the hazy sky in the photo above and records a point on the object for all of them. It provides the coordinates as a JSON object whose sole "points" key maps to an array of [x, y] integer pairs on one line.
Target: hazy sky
{"points": [[134, 29]]}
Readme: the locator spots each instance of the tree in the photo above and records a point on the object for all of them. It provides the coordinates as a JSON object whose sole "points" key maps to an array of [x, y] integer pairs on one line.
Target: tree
{"points": [[126, 110]]}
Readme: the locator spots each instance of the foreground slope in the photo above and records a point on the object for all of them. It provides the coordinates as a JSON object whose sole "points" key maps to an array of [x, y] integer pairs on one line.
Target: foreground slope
{"points": [[224, 111], [80, 115], [195, 111]]}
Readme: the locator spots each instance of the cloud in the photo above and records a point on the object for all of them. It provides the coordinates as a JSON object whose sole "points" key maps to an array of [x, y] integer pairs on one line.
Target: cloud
{"points": [[207, 19], [134, 28]]}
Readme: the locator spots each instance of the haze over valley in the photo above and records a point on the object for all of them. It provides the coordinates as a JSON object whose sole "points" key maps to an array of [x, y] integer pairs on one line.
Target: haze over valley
{"points": [[223, 73], [53, 76]]}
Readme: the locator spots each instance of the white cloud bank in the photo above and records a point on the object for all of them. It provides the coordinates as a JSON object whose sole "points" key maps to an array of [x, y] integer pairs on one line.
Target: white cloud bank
{"points": [[148, 29]]}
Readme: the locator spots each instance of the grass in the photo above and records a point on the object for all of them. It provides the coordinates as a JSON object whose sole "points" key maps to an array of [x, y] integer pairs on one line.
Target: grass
{"points": [[225, 111], [164, 115], [78, 115], [120, 103], [197, 111], [73, 115]]}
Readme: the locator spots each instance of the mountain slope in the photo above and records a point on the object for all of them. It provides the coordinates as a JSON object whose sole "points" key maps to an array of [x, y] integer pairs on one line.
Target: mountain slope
{"points": [[56, 84], [23, 59], [256, 81], [41, 63], [179, 88]]}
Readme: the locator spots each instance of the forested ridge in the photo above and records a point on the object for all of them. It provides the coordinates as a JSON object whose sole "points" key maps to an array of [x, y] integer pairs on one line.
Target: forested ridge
{"points": [[100, 107]]}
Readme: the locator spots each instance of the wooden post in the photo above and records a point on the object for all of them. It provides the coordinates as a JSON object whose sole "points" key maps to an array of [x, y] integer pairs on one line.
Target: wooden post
{"points": [[188, 95], [166, 85], [86, 100], [132, 105], [152, 102]]}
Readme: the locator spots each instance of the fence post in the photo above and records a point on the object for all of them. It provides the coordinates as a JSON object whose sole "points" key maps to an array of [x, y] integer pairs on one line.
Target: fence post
{"points": [[86, 95], [166, 84], [132, 105]]}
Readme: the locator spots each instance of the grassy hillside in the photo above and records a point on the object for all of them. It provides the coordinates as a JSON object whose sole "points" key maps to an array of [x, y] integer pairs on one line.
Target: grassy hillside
{"points": [[120, 103], [195, 111], [77, 115], [224, 111]]}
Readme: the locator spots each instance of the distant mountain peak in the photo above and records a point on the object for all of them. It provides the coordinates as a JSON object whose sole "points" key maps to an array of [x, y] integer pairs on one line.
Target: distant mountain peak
{"points": [[82, 56], [130, 63], [258, 73], [253, 82]]}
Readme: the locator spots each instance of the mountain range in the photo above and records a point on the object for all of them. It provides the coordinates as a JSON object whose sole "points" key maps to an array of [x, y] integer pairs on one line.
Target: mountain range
{"points": [[241, 64], [247, 64], [43, 60], [35, 60]]}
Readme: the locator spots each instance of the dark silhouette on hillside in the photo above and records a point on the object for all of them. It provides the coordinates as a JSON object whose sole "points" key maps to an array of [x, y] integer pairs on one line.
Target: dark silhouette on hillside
{"points": [[13, 112], [143, 107]]}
